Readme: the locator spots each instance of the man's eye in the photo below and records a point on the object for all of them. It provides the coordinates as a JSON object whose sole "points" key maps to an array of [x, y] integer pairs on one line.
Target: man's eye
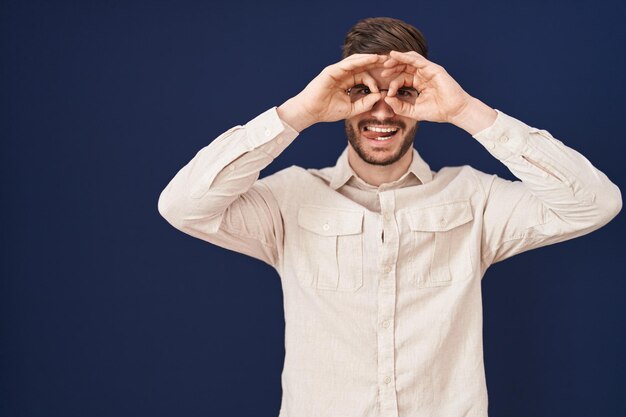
{"points": [[360, 90], [407, 92]]}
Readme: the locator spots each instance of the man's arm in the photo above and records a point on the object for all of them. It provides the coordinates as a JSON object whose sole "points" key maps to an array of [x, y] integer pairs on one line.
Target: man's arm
{"points": [[561, 194], [216, 196]]}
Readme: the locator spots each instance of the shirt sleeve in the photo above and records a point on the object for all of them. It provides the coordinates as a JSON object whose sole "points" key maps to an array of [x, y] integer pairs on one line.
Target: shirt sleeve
{"points": [[216, 197], [561, 195]]}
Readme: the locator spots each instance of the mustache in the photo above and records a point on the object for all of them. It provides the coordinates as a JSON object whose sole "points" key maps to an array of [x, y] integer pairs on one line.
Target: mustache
{"points": [[386, 122]]}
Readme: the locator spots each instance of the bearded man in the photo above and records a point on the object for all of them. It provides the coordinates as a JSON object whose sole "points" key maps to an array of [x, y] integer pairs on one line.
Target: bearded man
{"points": [[380, 258]]}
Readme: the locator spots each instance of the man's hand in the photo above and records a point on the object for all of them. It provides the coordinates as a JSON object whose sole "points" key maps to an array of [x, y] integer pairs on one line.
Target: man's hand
{"points": [[440, 99], [325, 99]]}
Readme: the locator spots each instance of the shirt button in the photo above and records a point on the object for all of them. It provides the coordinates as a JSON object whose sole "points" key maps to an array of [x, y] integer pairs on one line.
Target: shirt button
{"points": [[279, 141], [326, 226], [503, 139], [386, 323], [387, 216], [387, 380], [267, 133], [231, 168], [386, 269], [443, 222], [491, 145]]}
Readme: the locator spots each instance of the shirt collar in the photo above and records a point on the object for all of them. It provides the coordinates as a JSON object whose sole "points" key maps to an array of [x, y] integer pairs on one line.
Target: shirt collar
{"points": [[343, 171]]}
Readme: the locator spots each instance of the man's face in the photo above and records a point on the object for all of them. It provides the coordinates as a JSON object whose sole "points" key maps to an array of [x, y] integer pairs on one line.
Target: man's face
{"points": [[379, 136]]}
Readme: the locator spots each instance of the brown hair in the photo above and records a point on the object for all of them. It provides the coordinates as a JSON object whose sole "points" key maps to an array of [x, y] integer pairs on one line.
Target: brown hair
{"points": [[380, 35]]}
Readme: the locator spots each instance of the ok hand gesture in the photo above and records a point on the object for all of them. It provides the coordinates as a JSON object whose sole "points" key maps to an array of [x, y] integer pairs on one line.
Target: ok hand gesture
{"points": [[440, 99], [325, 99]]}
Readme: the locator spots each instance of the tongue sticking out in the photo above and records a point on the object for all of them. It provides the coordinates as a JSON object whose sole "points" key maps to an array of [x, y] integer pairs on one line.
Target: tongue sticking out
{"points": [[375, 135]]}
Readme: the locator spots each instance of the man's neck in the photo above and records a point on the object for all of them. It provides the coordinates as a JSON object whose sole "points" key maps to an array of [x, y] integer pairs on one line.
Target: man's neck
{"points": [[379, 174]]}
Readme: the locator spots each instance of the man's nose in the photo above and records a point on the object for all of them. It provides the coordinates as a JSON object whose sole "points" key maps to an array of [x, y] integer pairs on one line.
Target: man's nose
{"points": [[381, 109]]}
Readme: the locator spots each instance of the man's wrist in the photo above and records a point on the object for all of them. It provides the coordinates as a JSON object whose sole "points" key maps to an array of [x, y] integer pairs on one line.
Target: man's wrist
{"points": [[475, 117], [292, 113]]}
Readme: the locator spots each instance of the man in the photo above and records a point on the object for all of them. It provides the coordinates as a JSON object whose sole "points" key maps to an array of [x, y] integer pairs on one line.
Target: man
{"points": [[380, 258]]}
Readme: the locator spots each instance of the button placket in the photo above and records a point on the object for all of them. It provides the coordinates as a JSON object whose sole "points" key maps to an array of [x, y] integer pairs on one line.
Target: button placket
{"points": [[386, 298]]}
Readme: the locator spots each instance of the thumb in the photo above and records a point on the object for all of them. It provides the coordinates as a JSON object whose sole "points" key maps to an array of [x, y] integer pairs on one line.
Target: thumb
{"points": [[399, 107]]}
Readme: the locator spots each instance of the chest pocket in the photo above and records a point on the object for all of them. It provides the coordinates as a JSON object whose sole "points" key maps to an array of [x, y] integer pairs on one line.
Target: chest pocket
{"points": [[331, 248], [440, 244]]}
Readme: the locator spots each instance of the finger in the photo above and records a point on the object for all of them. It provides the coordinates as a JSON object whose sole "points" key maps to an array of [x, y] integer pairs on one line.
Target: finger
{"points": [[402, 80], [368, 80], [412, 58], [390, 62], [388, 72], [346, 68], [359, 78], [409, 79], [417, 64], [398, 107], [358, 56], [360, 60], [365, 104]]}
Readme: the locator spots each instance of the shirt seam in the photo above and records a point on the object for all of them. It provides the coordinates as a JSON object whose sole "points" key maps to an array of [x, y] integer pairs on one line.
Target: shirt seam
{"points": [[280, 259]]}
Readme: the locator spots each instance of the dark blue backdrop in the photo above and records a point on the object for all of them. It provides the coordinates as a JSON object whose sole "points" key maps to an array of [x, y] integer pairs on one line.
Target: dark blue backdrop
{"points": [[106, 310]]}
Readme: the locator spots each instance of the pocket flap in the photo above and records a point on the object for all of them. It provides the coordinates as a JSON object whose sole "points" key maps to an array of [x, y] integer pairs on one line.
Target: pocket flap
{"points": [[440, 218], [330, 221]]}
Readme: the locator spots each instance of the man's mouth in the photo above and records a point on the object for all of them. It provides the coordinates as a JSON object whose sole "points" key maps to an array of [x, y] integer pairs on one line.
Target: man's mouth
{"points": [[379, 133]]}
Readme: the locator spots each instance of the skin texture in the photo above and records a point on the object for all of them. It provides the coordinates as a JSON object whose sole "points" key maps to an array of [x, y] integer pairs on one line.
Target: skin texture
{"points": [[380, 162], [441, 99], [374, 158], [381, 114]]}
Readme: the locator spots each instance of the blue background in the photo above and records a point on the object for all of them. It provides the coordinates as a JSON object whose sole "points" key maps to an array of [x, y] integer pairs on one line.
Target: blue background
{"points": [[106, 310]]}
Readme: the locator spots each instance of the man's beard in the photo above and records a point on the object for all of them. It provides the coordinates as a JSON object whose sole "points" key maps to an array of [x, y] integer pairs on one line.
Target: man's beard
{"points": [[353, 138]]}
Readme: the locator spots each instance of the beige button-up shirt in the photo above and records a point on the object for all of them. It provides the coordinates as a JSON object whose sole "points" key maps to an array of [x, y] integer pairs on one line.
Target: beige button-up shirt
{"points": [[382, 294]]}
